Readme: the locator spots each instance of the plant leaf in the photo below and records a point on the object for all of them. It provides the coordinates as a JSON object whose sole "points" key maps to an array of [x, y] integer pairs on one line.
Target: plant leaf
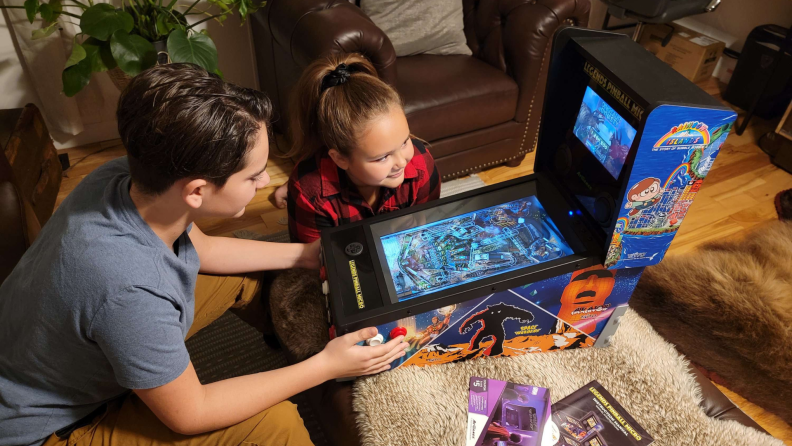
{"points": [[102, 20], [44, 31], [219, 73], [132, 53], [75, 78], [77, 54], [220, 4], [197, 48], [98, 55], [243, 9], [50, 11], [31, 8]]}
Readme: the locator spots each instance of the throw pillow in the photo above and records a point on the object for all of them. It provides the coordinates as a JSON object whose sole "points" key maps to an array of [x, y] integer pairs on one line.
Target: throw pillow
{"points": [[420, 26]]}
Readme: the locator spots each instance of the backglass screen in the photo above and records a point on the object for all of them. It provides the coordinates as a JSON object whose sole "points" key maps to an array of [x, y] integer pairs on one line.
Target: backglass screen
{"points": [[472, 246], [604, 132]]}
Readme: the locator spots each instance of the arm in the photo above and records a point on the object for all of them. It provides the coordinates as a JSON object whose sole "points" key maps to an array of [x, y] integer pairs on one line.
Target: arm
{"points": [[226, 255], [188, 407], [306, 220]]}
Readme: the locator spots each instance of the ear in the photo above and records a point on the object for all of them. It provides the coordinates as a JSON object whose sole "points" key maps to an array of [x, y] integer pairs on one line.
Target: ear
{"points": [[193, 192], [338, 158]]}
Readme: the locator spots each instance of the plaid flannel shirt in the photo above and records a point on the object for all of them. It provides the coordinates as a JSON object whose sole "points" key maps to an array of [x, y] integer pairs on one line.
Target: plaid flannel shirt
{"points": [[322, 196]]}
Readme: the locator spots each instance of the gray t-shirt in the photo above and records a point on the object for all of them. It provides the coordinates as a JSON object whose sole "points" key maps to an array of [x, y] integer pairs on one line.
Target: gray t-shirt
{"points": [[97, 305]]}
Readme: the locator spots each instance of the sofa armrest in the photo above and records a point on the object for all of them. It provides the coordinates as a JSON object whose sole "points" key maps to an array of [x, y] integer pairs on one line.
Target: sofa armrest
{"points": [[310, 29], [515, 36]]}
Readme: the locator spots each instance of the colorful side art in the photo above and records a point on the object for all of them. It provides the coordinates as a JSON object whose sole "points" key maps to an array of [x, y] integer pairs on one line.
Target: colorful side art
{"points": [[568, 311], [677, 150]]}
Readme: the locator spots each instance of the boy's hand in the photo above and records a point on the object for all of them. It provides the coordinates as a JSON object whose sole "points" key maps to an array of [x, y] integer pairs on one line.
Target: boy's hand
{"points": [[343, 358], [310, 256]]}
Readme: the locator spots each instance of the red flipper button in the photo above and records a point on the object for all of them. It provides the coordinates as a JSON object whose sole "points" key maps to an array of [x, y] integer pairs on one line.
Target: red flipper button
{"points": [[398, 331]]}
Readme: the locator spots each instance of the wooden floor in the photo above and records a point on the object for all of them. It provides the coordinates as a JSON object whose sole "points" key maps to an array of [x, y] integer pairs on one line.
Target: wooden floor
{"points": [[737, 195]]}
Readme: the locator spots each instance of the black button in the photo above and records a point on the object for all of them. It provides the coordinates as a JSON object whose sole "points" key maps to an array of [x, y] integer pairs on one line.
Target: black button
{"points": [[354, 249]]}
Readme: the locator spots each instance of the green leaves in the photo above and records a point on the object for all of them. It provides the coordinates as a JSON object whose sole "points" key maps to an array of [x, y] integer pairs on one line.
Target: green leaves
{"points": [[77, 54], [31, 8], [101, 20], [196, 48], [132, 52], [45, 31], [93, 55], [75, 78], [98, 55], [50, 11]]}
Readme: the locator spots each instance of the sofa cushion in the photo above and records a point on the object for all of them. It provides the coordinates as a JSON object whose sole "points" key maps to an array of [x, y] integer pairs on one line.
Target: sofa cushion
{"points": [[451, 95], [420, 26]]}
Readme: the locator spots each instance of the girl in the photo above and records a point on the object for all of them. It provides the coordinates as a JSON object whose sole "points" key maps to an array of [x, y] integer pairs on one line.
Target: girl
{"points": [[358, 158]]}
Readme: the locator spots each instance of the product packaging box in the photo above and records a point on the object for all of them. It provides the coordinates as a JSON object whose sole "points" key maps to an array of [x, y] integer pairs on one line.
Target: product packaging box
{"points": [[503, 413], [592, 417], [691, 53]]}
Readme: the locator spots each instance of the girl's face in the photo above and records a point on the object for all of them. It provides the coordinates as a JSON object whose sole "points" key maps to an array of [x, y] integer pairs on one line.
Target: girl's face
{"points": [[383, 150]]}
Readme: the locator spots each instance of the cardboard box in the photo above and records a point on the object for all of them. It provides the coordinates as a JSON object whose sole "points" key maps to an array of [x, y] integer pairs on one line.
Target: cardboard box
{"points": [[691, 53]]}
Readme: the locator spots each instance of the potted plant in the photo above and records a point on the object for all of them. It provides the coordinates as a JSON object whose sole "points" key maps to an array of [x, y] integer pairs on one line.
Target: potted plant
{"points": [[127, 40]]}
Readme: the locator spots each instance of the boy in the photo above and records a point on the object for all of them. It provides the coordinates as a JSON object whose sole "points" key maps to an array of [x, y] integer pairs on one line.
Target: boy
{"points": [[102, 302]]}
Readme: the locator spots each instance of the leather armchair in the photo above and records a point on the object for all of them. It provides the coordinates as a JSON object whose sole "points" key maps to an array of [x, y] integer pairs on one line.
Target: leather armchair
{"points": [[476, 111], [18, 223]]}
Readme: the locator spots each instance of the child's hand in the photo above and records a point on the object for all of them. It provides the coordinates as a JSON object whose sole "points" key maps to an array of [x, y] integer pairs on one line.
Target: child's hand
{"points": [[343, 358], [280, 195]]}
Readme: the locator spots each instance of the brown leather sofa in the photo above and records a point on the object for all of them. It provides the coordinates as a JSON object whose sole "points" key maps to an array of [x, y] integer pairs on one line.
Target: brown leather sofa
{"points": [[476, 111]]}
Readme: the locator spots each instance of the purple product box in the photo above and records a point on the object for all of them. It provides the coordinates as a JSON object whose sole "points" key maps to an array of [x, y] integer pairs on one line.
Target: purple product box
{"points": [[502, 413]]}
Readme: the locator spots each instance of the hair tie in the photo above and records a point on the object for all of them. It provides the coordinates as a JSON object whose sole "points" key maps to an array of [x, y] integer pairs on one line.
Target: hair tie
{"points": [[338, 76]]}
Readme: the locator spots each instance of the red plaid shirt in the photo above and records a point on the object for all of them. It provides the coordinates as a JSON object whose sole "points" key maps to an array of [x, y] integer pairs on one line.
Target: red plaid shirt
{"points": [[322, 196]]}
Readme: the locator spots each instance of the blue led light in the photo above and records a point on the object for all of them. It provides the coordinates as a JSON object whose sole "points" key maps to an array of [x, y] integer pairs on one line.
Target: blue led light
{"points": [[570, 213]]}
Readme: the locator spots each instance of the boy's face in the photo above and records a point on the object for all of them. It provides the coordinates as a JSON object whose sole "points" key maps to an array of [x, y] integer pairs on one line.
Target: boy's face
{"points": [[241, 187], [383, 150]]}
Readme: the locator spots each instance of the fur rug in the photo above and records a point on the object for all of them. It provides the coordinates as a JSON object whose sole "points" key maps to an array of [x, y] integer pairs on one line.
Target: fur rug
{"points": [[428, 406], [652, 381], [728, 308]]}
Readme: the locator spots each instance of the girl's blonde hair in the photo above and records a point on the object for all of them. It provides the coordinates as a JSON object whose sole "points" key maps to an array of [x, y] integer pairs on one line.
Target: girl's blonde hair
{"points": [[329, 112]]}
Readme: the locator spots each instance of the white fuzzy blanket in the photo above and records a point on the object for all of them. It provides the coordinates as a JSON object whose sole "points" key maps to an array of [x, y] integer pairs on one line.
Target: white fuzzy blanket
{"points": [[428, 406]]}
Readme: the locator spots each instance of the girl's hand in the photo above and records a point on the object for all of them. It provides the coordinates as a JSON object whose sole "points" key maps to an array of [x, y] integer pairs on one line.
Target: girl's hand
{"points": [[342, 357]]}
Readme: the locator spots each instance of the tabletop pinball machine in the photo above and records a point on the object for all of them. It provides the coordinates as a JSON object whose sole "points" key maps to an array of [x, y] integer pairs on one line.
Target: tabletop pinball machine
{"points": [[547, 261]]}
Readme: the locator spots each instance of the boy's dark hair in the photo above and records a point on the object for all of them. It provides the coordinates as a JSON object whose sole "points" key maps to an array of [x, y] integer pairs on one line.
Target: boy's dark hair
{"points": [[180, 121]]}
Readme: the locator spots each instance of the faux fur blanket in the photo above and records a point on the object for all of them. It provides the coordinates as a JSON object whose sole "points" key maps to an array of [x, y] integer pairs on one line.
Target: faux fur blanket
{"points": [[728, 308], [428, 406]]}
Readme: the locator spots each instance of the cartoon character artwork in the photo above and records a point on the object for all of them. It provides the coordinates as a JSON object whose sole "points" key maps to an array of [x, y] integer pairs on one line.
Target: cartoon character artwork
{"points": [[677, 150], [421, 338], [491, 320], [643, 195], [518, 321], [583, 300]]}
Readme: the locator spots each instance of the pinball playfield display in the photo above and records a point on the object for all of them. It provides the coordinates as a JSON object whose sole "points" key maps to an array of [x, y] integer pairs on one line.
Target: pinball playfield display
{"points": [[547, 261]]}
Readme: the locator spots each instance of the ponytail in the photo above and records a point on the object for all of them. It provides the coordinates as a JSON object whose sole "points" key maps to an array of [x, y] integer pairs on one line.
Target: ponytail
{"points": [[332, 104]]}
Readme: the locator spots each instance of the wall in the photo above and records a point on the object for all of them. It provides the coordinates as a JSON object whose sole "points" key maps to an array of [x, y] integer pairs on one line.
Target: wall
{"points": [[15, 89]]}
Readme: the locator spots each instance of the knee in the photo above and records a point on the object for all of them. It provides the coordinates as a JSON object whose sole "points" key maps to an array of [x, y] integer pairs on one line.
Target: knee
{"points": [[281, 424]]}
